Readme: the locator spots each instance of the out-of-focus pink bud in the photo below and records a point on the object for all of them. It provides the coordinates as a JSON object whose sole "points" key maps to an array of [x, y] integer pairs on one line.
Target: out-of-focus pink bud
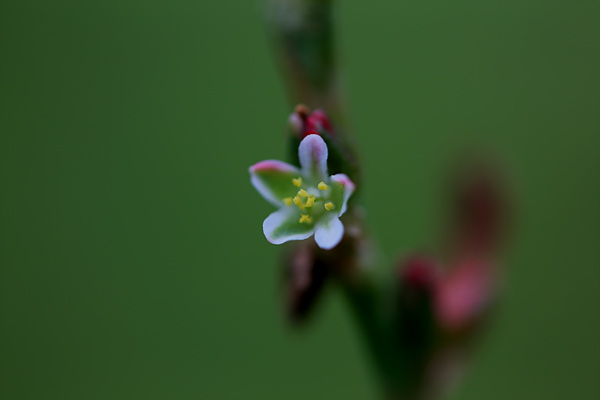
{"points": [[319, 121], [415, 317], [304, 123], [479, 220], [420, 272], [481, 209], [465, 294]]}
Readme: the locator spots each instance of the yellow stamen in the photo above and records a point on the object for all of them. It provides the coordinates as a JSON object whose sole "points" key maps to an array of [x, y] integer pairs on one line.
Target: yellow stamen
{"points": [[302, 193], [297, 181], [322, 186], [288, 201], [305, 219], [310, 201], [298, 202], [329, 206], [311, 196]]}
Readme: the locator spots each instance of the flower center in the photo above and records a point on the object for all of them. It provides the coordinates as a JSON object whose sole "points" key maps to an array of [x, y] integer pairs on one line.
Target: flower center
{"points": [[308, 203]]}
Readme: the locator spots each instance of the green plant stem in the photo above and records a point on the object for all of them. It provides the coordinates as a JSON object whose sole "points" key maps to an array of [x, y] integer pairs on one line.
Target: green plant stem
{"points": [[302, 33]]}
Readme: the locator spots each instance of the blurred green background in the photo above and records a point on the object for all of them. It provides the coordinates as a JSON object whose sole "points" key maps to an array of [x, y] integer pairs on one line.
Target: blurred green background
{"points": [[132, 261]]}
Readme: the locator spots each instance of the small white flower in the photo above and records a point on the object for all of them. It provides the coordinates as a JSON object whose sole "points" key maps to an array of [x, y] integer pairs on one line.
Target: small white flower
{"points": [[309, 200]]}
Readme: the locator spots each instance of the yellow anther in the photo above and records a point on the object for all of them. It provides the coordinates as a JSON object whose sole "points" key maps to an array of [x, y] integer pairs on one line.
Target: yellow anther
{"points": [[288, 201], [298, 202], [322, 186], [302, 193], [305, 219], [310, 201], [297, 181], [312, 196], [329, 206]]}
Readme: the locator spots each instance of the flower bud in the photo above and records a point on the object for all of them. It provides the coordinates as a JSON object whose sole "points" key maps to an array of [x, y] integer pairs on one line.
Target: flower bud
{"points": [[319, 122], [419, 273], [418, 276], [464, 295], [297, 120], [479, 219], [480, 209]]}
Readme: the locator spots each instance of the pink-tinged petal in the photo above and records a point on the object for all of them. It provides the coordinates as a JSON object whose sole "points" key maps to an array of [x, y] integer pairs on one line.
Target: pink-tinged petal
{"points": [[275, 165], [282, 226], [348, 187], [329, 232], [273, 180], [313, 156]]}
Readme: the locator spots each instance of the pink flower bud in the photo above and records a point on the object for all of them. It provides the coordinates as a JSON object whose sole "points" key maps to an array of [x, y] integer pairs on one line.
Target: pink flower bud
{"points": [[481, 210], [319, 121], [465, 293], [420, 272]]}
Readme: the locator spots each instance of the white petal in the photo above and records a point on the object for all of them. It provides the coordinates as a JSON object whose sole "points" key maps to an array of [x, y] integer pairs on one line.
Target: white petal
{"points": [[329, 232], [263, 177], [348, 189], [313, 156], [282, 226]]}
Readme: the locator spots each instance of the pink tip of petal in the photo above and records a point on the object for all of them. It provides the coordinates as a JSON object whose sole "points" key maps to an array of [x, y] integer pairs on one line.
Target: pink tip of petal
{"points": [[344, 180], [272, 165], [348, 186]]}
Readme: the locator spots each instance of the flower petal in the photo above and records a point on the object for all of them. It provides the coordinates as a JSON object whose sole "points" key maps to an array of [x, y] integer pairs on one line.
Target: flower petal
{"points": [[313, 156], [329, 232], [344, 191], [273, 180], [282, 226]]}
